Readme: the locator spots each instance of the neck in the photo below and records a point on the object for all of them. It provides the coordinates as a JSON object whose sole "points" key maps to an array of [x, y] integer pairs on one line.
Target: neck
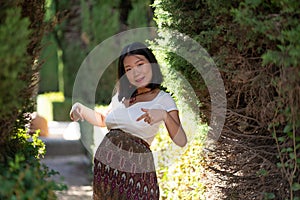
{"points": [[143, 90]]}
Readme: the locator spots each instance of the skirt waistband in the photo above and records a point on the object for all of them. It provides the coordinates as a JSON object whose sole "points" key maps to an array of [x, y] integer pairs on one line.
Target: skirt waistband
{"points": [[128, 135]]}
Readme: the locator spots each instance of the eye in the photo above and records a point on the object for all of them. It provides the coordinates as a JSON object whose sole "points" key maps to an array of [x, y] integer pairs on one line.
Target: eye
{"points": [[140, 64], [127, 69]]}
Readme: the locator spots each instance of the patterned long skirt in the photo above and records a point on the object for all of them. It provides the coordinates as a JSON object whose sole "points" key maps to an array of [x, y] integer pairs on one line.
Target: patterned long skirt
{"points": [[124, 169]]}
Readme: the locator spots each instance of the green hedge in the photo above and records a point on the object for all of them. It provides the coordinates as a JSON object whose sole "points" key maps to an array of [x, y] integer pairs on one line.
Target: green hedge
{"points": [[61, 110], [21, 174], [14, 59], [49, 74], [255, 45]]}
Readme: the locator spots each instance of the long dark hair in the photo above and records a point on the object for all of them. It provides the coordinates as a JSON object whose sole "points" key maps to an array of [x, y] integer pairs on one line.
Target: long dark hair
{"points": [[125, 88]]}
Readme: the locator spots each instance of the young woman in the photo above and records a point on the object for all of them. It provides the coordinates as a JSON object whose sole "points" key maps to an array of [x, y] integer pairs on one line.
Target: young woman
{"points": [[123, 164]]}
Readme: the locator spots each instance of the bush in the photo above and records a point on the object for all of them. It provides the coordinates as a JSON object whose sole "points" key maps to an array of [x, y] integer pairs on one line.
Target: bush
{"points": [[21, 29], [14, 62], [21, 174], [255, 45], [61, 110], [179, 171]]}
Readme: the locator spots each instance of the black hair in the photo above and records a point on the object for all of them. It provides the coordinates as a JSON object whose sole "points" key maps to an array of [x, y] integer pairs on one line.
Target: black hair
{"points": [[125, 88]]}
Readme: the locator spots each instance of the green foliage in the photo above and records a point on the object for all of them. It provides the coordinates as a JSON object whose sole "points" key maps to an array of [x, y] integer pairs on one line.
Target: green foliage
{"points": [[77, 33], [97, 28], [95, 23], [49, 81], [71, 58], [21, 174], [61, 110], [20, 35], [281, 27], [180, 171], [100, 20], [13, 58], [139, 15], [182, 179], [255, 45]]}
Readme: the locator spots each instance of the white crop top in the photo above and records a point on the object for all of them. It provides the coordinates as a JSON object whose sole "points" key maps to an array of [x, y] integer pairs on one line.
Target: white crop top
{"points": [[124, 118]]}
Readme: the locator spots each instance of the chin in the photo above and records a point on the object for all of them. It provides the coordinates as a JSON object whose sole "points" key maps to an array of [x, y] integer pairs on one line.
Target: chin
{"points": [[142, 85]]}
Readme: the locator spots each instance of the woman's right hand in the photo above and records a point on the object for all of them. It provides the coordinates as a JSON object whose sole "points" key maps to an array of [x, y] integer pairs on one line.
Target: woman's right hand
{"points": [[76, 112]]}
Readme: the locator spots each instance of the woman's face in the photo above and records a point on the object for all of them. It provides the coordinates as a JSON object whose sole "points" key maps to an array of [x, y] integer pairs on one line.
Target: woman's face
{"points": [[138, 70]]}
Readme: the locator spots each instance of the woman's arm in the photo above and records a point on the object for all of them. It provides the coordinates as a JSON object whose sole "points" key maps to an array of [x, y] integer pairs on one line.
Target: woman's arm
{"points": [[171, 120], [81, 112], [174, 127]]}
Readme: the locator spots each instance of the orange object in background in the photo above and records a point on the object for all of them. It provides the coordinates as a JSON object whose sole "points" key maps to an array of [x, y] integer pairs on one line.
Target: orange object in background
{"points": [[38, 123]]}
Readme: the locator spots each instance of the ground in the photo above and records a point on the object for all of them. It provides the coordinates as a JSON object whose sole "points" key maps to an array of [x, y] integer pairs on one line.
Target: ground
{"points": [[75, 172], [66, 155]]}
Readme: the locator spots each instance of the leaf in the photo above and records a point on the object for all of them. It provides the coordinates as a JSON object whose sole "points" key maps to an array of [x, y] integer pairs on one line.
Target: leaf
{"points": [[279, 165], [269, 195], [296, 186], [262, 172], [289, 149], [281, 139], [292, 155], [287, 128], [283, 150]]}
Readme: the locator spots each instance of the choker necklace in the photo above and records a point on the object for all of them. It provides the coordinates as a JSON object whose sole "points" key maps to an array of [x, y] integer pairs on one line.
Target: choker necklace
{"points": [[133, 98]]}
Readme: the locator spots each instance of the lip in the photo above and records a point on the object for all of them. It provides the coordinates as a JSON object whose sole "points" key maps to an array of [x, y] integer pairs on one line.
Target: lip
{"points": [[139, 79]]}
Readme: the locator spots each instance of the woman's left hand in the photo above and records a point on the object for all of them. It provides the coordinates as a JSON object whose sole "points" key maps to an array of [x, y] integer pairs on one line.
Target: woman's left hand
{"points": [[152, 116]]}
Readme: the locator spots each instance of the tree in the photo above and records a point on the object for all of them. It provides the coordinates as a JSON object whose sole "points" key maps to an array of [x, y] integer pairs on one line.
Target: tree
{"points": [[21, 31]]}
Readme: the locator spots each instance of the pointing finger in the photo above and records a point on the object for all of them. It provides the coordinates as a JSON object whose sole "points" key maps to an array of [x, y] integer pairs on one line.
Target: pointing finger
{"points": [[142, 117], [144, 109]]}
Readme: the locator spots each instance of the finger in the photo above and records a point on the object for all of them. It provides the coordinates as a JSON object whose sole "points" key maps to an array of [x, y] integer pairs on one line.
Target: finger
{"points": [[144, 109], [71, 112], [74, 117], [71, 116], [74, 107], [78, 113], [147, 120], [143, 116]]}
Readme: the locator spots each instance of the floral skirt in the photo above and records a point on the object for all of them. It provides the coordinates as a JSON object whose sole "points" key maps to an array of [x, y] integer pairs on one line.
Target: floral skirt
{"points": [[124, 169]]}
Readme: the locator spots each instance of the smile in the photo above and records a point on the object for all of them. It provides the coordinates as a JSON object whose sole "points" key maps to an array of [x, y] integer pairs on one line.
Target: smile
{"points": [[139, 80]]}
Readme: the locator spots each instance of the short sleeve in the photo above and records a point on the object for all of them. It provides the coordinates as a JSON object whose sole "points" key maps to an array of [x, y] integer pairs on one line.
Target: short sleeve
{"points": [[115, 101], [167, 102]]}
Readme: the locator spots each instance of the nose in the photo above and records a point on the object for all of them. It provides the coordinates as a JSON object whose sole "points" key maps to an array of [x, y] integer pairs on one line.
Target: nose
{"points": [[136, 70]]}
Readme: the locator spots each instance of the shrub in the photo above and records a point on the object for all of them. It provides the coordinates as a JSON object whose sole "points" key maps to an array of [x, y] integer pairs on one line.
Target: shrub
{"points": [[21, 29], [255, 45], [21, 174], [179, 171], [14, 64]]}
